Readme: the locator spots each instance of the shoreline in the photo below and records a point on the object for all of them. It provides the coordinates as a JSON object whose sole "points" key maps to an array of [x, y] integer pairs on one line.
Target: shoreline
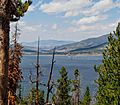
{"points": [[63, 54]]}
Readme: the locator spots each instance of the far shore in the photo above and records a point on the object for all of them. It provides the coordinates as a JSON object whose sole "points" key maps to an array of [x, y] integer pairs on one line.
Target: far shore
{"points": [[84, 54]]}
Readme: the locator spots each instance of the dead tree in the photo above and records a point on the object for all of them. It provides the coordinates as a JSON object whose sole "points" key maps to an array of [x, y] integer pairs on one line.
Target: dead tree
{"points": [[38, 72], [49, 85], [14, 70], [8, 12]]}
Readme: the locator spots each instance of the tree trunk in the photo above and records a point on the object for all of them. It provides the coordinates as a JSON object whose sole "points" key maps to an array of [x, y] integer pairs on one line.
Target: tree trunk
{"points": [[4, 47]]}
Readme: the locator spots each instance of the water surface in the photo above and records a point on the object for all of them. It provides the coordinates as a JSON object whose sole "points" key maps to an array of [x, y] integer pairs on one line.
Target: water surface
{"points": [[85, 64]]}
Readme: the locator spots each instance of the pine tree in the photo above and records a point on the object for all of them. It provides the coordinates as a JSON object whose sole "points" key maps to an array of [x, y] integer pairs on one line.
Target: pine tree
{"points": [[31, 98], [76, 89], [87, 97], [109, 72], [62, 96], [14, 70]]}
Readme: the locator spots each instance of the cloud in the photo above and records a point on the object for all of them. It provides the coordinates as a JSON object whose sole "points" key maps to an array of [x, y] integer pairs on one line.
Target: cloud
{"points": [[30, 28], [88, 20], [81, 28], [101, 6], [29, 32], [95, 29], [58, 6], [33, 7], [118, 4], [71, 13], [78, 7], [114, 24], [25, 27], [54, 27]]}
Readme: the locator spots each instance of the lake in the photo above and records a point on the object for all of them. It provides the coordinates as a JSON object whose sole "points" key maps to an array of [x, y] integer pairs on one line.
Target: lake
{"points": [[85, 64]]}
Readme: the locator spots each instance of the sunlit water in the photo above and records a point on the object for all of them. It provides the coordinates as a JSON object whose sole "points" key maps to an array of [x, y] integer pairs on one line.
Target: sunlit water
{"points": [[85, 64]]}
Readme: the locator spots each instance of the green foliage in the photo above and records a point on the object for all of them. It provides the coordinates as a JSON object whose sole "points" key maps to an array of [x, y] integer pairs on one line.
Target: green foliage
{"points": [[76, 81], [22, 7], [87, 97], [22, 101], [109, 72], [62, 96], [76, 88], [76, 73], [31, 98]]}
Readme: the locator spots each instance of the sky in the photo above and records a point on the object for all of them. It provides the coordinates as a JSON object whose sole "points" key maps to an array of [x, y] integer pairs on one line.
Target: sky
{"points": [[73, 20]]}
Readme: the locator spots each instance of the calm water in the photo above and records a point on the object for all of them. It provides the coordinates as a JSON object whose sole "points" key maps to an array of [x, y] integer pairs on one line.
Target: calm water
{"points": [[85, 64]]}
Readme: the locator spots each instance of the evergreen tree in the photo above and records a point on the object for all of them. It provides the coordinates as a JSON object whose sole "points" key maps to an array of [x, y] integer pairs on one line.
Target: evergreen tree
{"points": [[109, 72], [76, 89], [62, 96], [31, 99], [87, 97], [22, 101]]}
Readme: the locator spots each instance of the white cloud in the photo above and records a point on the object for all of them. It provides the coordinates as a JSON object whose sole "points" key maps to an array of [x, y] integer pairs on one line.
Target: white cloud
{"points": [[81, 28], [30, 28], [78, 7], [54, 27], [71, 13], [25, 27], [118, 4], [114, 24], [88, 20], [58, 6], [33, 7], [101, 6], [96, 28]]}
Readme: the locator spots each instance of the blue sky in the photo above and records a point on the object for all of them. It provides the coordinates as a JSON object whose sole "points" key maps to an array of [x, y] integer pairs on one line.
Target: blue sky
{"points": [[69, 19]]}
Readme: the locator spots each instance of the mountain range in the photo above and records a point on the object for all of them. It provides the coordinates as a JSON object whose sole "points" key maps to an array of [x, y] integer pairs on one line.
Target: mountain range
{"points": [[90, 45], [47, 44]]}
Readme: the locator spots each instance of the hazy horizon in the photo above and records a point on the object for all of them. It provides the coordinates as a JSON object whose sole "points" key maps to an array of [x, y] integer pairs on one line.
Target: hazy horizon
{"points": [[61, 39]]}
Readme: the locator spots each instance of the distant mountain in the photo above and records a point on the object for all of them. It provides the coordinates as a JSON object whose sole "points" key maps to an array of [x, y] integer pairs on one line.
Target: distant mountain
{"points": [[47, 44], [90, 45], [85, 46]]}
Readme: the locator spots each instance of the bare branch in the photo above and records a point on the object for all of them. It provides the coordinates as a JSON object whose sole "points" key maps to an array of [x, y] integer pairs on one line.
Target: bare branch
{"points": [[49, 86], [30, 77]]}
